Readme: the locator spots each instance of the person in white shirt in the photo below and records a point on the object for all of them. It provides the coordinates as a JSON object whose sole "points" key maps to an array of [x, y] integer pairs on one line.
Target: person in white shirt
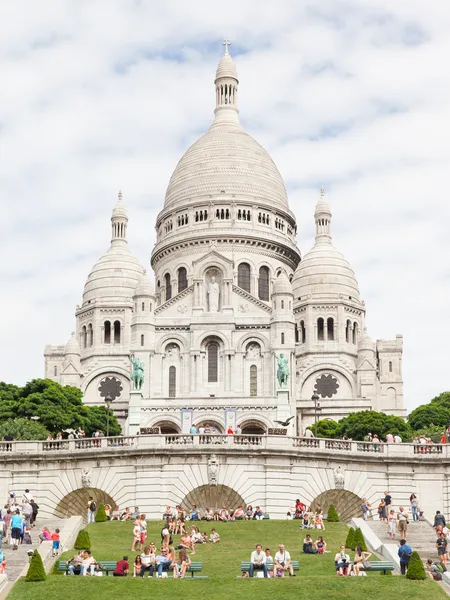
{"points": [[389, 438], [342, 561], [282, 562], [28, 495], [397, 439], [309, 433], [258, 561]]}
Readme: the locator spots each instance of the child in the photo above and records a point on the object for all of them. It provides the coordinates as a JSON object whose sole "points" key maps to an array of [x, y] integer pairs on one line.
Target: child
{"points": [[137, 566], [136, 535], [56, 542], [45, 535], [214, 536], [142, 532], [392, 524]]}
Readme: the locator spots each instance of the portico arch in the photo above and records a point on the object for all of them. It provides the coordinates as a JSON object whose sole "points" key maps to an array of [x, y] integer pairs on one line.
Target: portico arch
{"points": [[74, 503], [253, 427], [347, 504], [167, 427], [213, 496]]}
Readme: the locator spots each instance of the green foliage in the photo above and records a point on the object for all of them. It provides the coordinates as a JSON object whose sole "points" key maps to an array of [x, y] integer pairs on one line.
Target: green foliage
{"points": [[416, 570], [434, 432], [359, 424], [350, 541], [326, 428], [83, 541], [436, 412], [100, 515], [332, 516], [36, 571], [359, 539], [23, 429], [58, 407]]}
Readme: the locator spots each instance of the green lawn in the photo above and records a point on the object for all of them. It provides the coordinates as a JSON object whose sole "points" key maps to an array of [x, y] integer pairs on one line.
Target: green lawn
{"points": [[221, 563]]}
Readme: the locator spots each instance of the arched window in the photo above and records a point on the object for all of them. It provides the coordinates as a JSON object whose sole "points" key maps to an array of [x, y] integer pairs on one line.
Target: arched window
{"points": [[90, 335], [182, 279], [348, 332], [55, 371], [244, 276], [142, 339], [390, 366], [168, 286], [330, 328], [253, 380], [213, 363], [263, 283], [282, 305], [172, 382], [302, 331], [320, 329], [83, 336], [297, 337], [355, 332], [107, 332], [117, 332], [282, 338], [143, 306]]}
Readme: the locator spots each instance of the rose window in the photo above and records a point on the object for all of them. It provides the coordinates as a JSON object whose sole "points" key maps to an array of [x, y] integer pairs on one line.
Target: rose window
{"points": [[326, 386], [110, 386]]}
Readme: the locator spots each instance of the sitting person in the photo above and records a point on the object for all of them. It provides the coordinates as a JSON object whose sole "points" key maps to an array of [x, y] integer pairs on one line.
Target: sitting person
{"points": [[196, 536], [318, 522], [172, 557], [269, 562], [116, 514], [148, 562], [282, 563], [184, 562], [126, 515], [258, 561], [136, 513], [194, 513], [167, 514], [122, 567], [224, 514], [308, 545], [45, 535], [88, 563], [360, 559], [320, 545], [209, 514], [108, 511], [258, 514], [342, 562], [214, 536], [239, 513], [74, 564], [434, 570], [137, 566], [179, 528], [249, 512], [186, 543], [307, 520], [163, 561]]}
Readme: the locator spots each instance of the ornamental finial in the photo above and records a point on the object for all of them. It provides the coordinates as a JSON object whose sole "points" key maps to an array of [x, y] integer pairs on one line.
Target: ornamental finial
{"points": [[226, 43], [322, 191], [119, 196]]}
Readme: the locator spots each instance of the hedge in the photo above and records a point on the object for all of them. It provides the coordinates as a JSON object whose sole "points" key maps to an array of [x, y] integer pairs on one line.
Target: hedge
{"points": [[83, 541], [36, 571]]}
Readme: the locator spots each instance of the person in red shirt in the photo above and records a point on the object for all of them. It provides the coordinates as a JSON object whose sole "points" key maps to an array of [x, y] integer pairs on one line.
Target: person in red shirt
{"points": [[122, 567], [56, 542]]}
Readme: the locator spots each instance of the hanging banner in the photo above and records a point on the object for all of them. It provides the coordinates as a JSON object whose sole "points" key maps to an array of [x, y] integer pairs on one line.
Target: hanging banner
{"points": [[230, 419], [186, 421]]}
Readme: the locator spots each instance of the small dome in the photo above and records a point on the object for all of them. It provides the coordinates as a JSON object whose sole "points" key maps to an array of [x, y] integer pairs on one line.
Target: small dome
{"points": [[144, 287], [119, 210], [115, 276], [282, 285], [365, 343], [72, 346], [226, 67]]}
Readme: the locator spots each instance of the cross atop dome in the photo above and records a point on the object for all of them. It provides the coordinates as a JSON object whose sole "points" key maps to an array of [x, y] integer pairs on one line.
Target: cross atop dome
{"points": [[226, 43]]}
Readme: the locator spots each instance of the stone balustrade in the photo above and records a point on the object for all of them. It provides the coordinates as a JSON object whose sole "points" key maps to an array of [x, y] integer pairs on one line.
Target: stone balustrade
{"points": [[222, 441]]}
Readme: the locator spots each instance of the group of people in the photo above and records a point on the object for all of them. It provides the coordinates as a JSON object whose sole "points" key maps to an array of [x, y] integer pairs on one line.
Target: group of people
{"points": [[17, 518], [343, 565], [397, 521], [311, 518], [179, 515], [276, 566]]}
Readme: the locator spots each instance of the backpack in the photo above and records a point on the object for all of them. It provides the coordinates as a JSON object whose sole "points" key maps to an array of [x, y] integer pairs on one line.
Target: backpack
{"points": [[406, 555], [93, 507], [441, 567]]}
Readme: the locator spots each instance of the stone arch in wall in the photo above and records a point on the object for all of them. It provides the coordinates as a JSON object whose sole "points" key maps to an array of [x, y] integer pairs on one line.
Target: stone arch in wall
{"points": [[167, 427], [347, 504], [213, 496], [74, 504], [253, 427]]}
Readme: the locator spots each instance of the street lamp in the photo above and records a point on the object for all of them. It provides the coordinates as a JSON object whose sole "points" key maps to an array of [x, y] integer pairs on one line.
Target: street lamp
{"points": [[315, 398], [108, 401]]}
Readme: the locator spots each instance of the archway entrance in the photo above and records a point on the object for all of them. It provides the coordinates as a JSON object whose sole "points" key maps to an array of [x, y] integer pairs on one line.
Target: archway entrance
{"points": [[214, 426], [74, 504], [253, 427], [347, 504], [213, 496], [167, 427]]}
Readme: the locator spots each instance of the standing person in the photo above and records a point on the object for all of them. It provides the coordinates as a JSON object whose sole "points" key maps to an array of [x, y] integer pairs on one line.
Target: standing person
{"points": [[258, 561], [414, 503], [56, 542], [35, 509], [365, 507], [389, 438], [142, 531], [382, 510], [3, 531], [404, 553], [441, 545], [402, 518], [16, 528], [27, 511], [439, 521], [91, 508], [392, 524], [136, 535], [27, 495], [387, 501]]}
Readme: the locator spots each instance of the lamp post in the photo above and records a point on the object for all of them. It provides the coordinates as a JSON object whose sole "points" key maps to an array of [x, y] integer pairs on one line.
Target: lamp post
{"points": [[108, 401], [315, 398]]}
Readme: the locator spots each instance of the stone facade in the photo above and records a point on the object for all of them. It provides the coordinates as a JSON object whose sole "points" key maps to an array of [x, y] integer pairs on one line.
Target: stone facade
{"points": [[232, 294]]}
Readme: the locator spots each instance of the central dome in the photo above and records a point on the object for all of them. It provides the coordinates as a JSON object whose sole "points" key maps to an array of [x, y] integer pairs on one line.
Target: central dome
{"points": [[226, 160]]}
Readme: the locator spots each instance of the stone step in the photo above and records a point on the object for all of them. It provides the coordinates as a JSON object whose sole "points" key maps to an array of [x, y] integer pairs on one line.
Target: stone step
{"points": [[420, 536]]}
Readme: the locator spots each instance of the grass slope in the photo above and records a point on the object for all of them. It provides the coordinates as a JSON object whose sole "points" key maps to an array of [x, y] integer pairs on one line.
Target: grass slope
{"points": [[221, 563]]}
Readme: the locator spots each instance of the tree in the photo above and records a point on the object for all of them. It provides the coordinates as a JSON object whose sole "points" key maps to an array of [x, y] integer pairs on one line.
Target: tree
{"points": [[416, 570], [350, 541], [100, 515], [359, 540], [434, 432], [332, 516], [436, 412], [23, 429], [359, 424], [83, 541], [36, 571], [326, 428]]}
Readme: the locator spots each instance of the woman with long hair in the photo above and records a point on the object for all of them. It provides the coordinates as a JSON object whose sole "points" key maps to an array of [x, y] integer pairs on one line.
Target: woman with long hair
{"points": [[184, 562], [360, 559]]}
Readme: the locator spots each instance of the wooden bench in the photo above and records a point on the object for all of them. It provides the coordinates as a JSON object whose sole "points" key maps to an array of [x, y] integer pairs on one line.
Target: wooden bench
{"points": [[265, 516], [109, 566], [376, 565], [245, 566]]}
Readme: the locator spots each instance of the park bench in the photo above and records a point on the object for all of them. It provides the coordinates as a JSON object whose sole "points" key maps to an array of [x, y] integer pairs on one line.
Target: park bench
{"points": [[109, 566], [266, 516], [382, 566], [245, 566]]}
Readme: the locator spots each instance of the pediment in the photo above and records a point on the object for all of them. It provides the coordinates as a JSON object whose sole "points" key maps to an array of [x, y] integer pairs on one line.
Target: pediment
{"points": [[366, 365], [70, 369], [212, 258], [178, 306], [243, 302]]}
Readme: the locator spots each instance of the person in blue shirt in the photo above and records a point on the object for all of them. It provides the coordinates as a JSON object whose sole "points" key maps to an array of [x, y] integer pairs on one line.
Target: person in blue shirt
{"points": [[404, 553], [163, 561], [16, 528]]}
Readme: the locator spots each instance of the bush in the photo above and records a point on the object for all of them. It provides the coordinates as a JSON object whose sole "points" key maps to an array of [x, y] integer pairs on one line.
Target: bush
{"points": [[416, 570], [359, 540], [332, 516], [83, 541], [350, 541], [36, 571], [100, 515]]}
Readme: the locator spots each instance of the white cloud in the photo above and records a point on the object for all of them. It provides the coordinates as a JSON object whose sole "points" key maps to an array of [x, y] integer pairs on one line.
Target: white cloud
{"points": [[99, 95]]}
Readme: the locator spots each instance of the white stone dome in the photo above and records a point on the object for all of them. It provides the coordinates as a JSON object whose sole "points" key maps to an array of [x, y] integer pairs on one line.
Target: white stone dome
{"points": [[72, 346], [282, 285], [365, 343], [144, 287]]}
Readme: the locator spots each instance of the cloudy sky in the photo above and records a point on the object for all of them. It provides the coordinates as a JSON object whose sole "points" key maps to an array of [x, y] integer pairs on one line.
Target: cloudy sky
{"points": [[353, 95]]}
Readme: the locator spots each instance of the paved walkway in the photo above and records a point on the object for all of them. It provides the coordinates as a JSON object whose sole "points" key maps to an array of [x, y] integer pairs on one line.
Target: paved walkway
{"points": [[420, 536]]}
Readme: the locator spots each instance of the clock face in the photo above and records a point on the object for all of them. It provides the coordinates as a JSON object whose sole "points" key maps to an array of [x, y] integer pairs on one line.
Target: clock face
{"points": [[326, 386], [110, 386]]}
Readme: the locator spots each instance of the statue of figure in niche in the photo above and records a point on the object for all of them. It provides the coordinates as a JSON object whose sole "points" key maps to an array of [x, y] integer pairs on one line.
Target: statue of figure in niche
{"points": [[213, 295], [173, 352], [213, 468], [253, 351]]}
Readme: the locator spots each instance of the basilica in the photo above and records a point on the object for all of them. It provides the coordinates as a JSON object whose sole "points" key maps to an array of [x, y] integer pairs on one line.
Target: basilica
{"points": [[230, 300]]}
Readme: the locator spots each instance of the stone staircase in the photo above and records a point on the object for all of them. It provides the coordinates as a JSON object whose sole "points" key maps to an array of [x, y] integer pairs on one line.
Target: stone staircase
{"points": [[420, 536], [17, 559]]}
